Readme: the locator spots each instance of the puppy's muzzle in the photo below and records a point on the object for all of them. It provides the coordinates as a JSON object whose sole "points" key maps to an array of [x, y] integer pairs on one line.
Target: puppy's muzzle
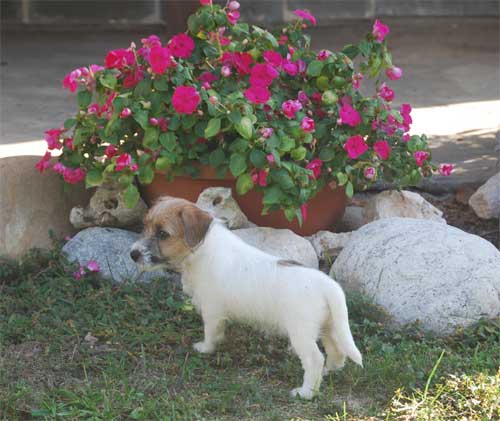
{"points": [[135, 255]]}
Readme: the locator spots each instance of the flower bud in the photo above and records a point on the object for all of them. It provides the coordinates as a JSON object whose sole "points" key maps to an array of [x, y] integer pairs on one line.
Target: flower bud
{"points": [[213, 99], [153, 121], [234, 5], [126, 112], [225, 71]]}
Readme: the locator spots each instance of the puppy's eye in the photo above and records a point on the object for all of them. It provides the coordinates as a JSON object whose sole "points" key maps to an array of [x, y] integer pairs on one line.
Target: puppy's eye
{"points": [[162, 235]]}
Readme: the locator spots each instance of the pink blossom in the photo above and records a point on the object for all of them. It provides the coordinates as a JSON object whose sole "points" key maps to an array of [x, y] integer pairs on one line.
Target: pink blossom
{"points": [[301, 66], [73, 175], [59, 168], [283, 40], [302, 97], [163, 124], [273, 58], [291, 107], [307, 124], [134, 167], [93, 108], [394, 73], [356, 80], [94, 68], [93, 266], [349, 115], [118, 59], [234, 5], [290, 67], [133, 77], [126, 112], [206, 2], [225, 71], [304, 14], [315, 166], [52, 137], [303, 211], [181, 46], [70, 81], [323, 55], [370, 173], [233, 16], [263, 75], [147, 44], [79, 273], [258, 94], [446, 169], [267, 132], [44, 163], [154, 121], [213, 99], [406, 137], [386, 93], [68, 142], [208, 77], [380, 30], [111, 151], [420, 157], [241, 61], [185, 99], [259, 177], [270, 158], [382, 149], [355, 146], [160, 59], [405, 111], [123, 161], [317, 97]]}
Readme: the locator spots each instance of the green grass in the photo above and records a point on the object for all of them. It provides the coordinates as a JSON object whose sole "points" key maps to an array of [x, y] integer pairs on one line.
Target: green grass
{"points": [[142, 365]]}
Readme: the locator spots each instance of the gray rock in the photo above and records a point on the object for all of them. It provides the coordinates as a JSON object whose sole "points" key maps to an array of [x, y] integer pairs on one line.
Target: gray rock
{"points": [[110, 247], [107, 209], [219, 202], [486, 200], [353, 218], [423, 270], [406, 204], [328, 244], [281, 243]]}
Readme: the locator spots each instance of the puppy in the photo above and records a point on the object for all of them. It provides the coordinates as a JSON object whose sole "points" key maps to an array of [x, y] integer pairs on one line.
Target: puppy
{"points": [[229, 279]]}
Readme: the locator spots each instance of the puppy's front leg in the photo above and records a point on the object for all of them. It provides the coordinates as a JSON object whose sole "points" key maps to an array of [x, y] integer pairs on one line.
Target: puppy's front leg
{"points": [[214, 332]]}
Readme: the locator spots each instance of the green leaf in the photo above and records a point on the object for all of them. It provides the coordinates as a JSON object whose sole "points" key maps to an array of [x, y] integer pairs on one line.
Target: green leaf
{"points": [[349, 190], [287, 143], [245, 127], [237, 164], [108, 80], [272, 195], [213, 127], [342, 178], [315, 67], [351, 50], [235, 117], [69, 123], [84, 98], [151, 137], [271, 38], [131, 196], [94, 178], [143, 88], [258, 158], [161, 85], [168, 140], [141, 116], [146, 174], [188, 121], [299, 153], [282, 177], [80, 136], [216, 157], [174, 123], [327, 154], [162, 163], [244, 184], [290, 214]]}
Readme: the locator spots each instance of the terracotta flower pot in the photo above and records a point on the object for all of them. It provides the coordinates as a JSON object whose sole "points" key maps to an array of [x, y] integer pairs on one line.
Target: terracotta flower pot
{"points": [[324, 211]]}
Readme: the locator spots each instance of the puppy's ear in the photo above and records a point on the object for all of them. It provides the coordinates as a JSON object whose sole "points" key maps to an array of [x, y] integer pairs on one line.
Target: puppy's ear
{"points": [[196, 223]]}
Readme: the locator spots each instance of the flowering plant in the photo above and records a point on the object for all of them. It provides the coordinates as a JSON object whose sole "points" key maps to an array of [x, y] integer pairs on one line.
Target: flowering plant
{"points": [[278, 116]]}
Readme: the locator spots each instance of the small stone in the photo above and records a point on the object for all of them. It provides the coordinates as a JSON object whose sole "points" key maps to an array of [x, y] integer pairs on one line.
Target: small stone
{"points": [[328, 244], [353, 219], [282, 243], [463, 194], [219, 202], [486, 200]]}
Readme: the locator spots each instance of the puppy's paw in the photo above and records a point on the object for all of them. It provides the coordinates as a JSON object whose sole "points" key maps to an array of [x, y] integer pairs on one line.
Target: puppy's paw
{"points": [[203, 347], [303, 393]]}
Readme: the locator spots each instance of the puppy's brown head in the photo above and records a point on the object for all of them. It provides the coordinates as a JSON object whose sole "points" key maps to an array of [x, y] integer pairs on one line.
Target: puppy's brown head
{"points": [[172, 229]]}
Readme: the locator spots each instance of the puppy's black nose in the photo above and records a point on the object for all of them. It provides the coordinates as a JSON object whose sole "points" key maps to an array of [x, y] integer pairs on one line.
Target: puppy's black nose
{"points": [[135, 255]]}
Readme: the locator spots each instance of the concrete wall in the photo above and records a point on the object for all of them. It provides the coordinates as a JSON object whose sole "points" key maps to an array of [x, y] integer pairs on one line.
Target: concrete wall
{"points": [[126, 12]]}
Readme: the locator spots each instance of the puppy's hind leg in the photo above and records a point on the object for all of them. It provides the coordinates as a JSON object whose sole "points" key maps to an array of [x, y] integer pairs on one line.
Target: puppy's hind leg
{"points": [[335, 360], [213, 325], [312, 362]]}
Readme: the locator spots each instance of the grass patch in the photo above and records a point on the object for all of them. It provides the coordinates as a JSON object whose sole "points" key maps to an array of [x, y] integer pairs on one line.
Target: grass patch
{"points": [[137, 362]]}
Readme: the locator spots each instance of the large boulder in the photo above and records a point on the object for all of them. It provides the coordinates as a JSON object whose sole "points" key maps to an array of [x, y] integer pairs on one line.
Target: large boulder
{"points": [[486, 200], [110, 247], [406, 204], [31, 204], [219, 202], [282, 243], [423, 270]]}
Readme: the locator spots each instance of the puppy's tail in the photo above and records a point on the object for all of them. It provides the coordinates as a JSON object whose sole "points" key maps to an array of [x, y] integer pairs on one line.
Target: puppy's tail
{"points": [[341, 332]]}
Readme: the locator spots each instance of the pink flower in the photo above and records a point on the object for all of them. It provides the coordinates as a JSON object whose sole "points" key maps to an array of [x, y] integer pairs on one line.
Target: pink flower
{"points": [[181, 46], [241, 61], [394, 73], [283, 40], [317, 97], [225, 71], [302, 97], [446, 169], [52, 137], [270, 158], [273, 58], [68, 142], [290, 67], [349, 115], [380, 30], [258, 94], [59, 168], [405, 111], [123, 161], [126, 112], [73, 176], [133, 77], [134, 167], [147, 44], [79, 273], [355, 146], [356, 80], [263, 75], [44, 163], [382, 149], [233, 16], [208, 77], [386, 93], [111, 151], [315, 166], [307, 124], [291, 107], [234, 5], [259, 177], [185, 99], [303, 211], [71, 82], [206, 2], [118, 59], [406, 137], [323, 55], [154, 121], [267, 132], [213, 99], [420, 157], [93, 108], [160, 59], [93, 266], [370, 173], [304, 14]]}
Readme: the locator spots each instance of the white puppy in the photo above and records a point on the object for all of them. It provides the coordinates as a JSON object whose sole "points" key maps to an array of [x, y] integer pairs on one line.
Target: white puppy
{"points": [[229, 279]]}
